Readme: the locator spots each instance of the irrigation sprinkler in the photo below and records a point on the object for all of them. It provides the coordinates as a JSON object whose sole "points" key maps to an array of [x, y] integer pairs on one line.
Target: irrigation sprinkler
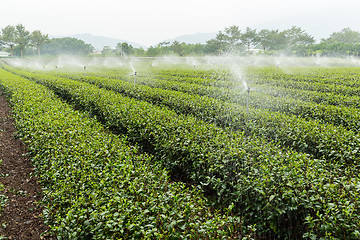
{"points": [[277, 66], [84, 70], [247, 102], [135, 78]]}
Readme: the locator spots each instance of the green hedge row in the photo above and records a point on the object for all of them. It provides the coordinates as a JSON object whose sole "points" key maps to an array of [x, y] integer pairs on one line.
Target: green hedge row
{"points": [[348, 117], [277, 98], [339, 76], [309, 136], [347, 76], [284, 193], [313, 96], [309, 83], [96, 186]]}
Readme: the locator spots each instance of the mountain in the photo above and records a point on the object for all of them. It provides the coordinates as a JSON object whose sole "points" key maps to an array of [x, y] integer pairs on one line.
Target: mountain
{"points": [[98, 42], [193, 38]]}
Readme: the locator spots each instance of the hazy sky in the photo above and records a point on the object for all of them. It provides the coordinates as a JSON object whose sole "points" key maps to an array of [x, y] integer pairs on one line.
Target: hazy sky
{"points": [[149, 22]]}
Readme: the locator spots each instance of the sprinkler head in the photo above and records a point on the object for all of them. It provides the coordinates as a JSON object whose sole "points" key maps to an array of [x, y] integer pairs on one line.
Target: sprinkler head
{"points": [[248, 90], [135, 73], [84, 67]]}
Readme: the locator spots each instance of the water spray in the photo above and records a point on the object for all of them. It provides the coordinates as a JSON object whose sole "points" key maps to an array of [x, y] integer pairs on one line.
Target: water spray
{"points": [[135, 78], [277, 66]]}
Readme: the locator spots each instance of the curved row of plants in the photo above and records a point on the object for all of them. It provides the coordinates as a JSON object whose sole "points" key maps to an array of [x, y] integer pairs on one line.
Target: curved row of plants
{"points": [[327, 98], [335, 88], [311, 136], [98, 187], [284, 193], [347, 117], [326, 76], [348, 76], [338, 76]]}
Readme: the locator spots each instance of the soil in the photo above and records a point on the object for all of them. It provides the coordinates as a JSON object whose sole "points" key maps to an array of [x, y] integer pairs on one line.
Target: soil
{"points": [[21, 217]]}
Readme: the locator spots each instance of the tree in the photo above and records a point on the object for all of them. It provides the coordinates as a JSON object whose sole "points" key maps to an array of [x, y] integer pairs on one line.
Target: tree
{"points": [[177, 47], [8, 37], [22, 38], [67, 45], [249, 38], [272, 39], [225, 42], [232, 35], [124, 49], [106, 51], [37, 39], [346, 35], [153, 51], [298, 37]]}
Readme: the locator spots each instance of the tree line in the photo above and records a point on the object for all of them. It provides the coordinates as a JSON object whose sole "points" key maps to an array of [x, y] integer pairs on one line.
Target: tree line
{"points": [[293, 41], [232, 40], [16, 39], [18, 36]]}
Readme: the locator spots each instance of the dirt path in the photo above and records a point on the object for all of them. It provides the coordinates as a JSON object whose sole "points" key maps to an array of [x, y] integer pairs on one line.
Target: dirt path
{"points": [[21, 216]]}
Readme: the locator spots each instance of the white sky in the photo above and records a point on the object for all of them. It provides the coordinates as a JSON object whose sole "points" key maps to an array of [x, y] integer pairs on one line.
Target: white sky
{"points": [[149, 22]]}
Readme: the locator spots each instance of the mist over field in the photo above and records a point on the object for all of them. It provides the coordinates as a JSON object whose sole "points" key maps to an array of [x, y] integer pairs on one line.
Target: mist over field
{"points": [[180, 120]]}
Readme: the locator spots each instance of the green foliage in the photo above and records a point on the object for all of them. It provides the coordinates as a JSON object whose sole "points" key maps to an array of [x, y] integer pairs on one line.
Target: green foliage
{"points": [[70, 46], [317, 134], [38, 39], [98, 187], [284, 193], [346, 35]]}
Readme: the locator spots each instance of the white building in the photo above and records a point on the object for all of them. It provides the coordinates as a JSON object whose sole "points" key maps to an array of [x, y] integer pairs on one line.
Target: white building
{"points": [[4, 54]]}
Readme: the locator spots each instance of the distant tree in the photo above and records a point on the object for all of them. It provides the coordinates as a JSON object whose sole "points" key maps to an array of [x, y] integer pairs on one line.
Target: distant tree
{"points": [[139, 52], [67, 45], [164, 44], [2, 44], [37, 39], [106, 51], [298, 37], [249, 38], [153, 51], [227, 41], [124, 49], [232, 35], [346, 35], [178, 48], [196, 49], [8, 37], [271, 40], [22, 38], [214, 46]]}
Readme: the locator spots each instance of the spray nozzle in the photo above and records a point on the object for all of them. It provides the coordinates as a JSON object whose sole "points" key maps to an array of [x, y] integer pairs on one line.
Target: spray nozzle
{"points": [[248, 90]]}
